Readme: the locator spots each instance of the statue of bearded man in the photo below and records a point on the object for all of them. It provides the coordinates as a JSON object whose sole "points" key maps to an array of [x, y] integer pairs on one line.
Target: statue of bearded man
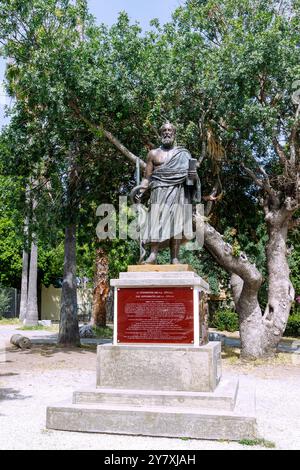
{"points": [[172, 180]]}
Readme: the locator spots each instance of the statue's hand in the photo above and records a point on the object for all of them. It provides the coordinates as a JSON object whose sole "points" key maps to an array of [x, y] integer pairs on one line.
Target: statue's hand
{"points": [[137, 194]]}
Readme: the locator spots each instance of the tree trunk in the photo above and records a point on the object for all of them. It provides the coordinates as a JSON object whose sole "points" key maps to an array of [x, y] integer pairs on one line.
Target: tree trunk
{"points": [[68, 330], [24, 285], [260, 337], [25, 261], [246, 283], [32, 315], [281, 292], [101, 289], [260, 334], [21, 342]]}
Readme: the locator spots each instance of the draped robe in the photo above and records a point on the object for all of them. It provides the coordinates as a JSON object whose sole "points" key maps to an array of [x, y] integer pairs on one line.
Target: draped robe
{"points": [[170, 211]]}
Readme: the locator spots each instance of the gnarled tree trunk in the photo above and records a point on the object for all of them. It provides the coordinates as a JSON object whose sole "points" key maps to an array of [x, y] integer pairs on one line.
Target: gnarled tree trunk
{"points": [[260, 334], [246, 283], [101, 289], [281, 292]]}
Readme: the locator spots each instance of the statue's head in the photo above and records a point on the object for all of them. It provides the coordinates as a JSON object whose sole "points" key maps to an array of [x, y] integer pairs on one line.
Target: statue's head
{"points": [[168, 134]]}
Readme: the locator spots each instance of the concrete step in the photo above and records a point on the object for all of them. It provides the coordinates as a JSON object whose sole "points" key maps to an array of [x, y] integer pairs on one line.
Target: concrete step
{"points": [[223, 398], [160, 421]]}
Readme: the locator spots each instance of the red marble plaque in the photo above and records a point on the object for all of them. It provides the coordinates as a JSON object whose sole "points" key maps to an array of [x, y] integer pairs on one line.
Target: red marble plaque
{"points": [[156, 315]]}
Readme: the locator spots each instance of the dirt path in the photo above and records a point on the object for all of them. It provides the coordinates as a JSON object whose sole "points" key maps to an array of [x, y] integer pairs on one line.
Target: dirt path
{"points": [[32, 380]]}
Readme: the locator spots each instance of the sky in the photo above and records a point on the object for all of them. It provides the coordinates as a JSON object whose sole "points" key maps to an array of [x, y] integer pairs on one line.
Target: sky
{"points": [[107, 12]]}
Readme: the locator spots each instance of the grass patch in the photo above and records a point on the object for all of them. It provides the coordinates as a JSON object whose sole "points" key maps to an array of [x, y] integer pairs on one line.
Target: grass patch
{"points": [[289, 339], [53, 328], [88, 347], [9, 321], [277, 360], [258, 442], [100, 332], [31, 328], [231, 357]]}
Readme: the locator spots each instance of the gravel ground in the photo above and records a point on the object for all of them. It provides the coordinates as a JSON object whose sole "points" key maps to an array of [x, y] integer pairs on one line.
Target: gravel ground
{"points": [[32, 380]]}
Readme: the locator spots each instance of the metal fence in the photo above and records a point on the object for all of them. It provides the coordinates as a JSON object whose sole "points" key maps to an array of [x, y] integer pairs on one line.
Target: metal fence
{"points": [[9, 302]]}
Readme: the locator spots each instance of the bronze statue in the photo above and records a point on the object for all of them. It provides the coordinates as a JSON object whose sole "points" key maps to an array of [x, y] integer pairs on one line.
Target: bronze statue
{"points": [[172, 181]]}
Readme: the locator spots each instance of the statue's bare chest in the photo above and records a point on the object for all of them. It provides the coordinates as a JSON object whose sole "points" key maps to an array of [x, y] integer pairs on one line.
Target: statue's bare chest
{"points": [[161, 156]]}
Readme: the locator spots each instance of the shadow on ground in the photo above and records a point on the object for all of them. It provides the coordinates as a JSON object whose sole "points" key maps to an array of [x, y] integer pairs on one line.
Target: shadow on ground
{"points": [[8, 374], [50, 351], [11, 394]]}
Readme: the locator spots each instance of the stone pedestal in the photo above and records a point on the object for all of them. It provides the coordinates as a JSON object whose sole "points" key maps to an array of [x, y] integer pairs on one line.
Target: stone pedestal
{"points": [[160, 377], [149, 367]]}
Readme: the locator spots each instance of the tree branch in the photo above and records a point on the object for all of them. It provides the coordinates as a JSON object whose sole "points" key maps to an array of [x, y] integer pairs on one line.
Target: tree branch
{"points": [[262, 183], [112, 139], [237, 284], [280, 152], [213, 197], [253, 176], [266, 181], [293, 137], [222, 252]]}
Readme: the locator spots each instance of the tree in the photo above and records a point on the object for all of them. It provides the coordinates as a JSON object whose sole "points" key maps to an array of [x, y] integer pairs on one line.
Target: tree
{"points": [[253, 51], [10, 231], [48, 40], [24, 279], [33, 33], [101, 289]]}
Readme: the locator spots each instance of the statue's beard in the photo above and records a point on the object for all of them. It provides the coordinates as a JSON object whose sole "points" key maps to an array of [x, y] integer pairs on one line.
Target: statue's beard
{"points": [[167, 142]]}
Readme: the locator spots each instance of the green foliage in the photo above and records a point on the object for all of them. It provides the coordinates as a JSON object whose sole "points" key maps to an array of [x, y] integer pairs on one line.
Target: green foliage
{"points": [[10, 253], [50, 263], [258, 442], [226, 320], [11, 236], [9, 321], [32, 328], [236, 249], [206, 267], [103, 332], [293, 325], [121, 253]]}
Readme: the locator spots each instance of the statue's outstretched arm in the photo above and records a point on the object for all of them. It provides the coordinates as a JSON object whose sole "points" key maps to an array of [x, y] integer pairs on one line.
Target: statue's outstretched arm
{"points": [[148, 171]]}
